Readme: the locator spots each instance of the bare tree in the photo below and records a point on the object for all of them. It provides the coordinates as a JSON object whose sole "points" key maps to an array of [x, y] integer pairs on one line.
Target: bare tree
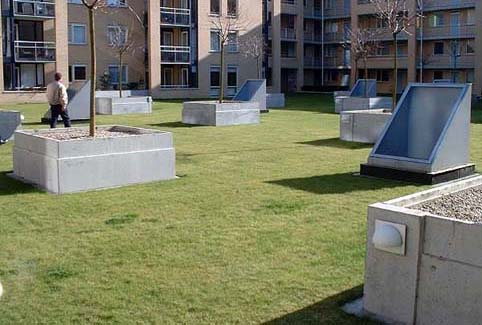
{"points": [[362, 44], [398, 18], [92, 6], [122, 43], [254, 47], [227, 28]]}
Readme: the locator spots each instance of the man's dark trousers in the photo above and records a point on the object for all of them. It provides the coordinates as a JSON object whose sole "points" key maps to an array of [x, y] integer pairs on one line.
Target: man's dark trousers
{"points": [[56, 110]]}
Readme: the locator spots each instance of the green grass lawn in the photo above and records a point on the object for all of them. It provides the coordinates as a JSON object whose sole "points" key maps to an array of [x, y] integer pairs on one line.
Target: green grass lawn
{"points": [[265, 224]]}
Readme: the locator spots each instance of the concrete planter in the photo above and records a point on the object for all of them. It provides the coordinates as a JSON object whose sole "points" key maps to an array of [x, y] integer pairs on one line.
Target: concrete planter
{"points": [[363, 126], [9, 122], [435, 275], [345, 103], [124, 105], [275, 100], [216, 114], [93, 163]]}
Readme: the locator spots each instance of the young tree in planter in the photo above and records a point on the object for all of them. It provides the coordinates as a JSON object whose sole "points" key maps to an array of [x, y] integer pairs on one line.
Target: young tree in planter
{"points": [[254, 47], [362, 44], [398, 18], [122, 43], [227, 28]]}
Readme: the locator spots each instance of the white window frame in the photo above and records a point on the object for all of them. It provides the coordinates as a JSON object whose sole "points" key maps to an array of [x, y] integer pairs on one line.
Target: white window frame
{"points": [[125, 80], [78, 66], [233, 47], [231, 93], [71, 33], [213, 32], [214, 90]]}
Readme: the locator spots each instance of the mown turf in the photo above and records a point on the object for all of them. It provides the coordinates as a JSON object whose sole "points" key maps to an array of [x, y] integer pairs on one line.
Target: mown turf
{"points": [[265, 224]]}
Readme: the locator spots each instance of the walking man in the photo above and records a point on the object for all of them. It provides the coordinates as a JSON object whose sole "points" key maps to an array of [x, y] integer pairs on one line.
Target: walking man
{"points": [[58, 99]]}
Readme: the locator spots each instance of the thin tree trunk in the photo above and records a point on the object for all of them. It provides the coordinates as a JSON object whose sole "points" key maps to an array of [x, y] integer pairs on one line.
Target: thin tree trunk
{"points": [[395, 72], [120, 75], [221, 76], [366, 75], [93, 72]]}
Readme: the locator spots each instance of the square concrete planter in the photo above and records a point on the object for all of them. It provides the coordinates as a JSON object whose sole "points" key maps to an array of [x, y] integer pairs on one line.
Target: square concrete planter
{"points": [[424, 268], [124, 105], [345, 103], [363, 126], [9, 122], [220, 114], [66, 166]]}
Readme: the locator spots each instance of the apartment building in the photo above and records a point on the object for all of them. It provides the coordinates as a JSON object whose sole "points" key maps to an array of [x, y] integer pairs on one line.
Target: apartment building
{"points": [[33, 47], [176, 46], [309, 44]]}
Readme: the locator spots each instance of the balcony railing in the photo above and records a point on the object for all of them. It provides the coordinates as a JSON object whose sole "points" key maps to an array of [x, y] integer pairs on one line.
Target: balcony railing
{"points": [[329, 12], [34, 8], [175, 16], [383, 33], [448, 31], [449, 62], [313, 37], [165, 86], [447, 4], [175, 54], [26, 51], [288, 34]]}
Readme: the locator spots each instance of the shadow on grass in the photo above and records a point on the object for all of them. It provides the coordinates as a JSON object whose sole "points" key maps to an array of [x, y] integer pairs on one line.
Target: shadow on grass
{"points": [[177, 124], [327, 311], [337, 143], [337, 183], [10, 186], [477, 113]]}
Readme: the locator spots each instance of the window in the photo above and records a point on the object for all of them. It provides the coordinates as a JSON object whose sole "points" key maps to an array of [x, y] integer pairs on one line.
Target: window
{"points": [[185, 76], [469, 48], [215, 7], [75, 1], [77, 34], [383, 75], [470, 76], [214, 76], [233, 42], [470, 17], [383, 49], [79, 73], [114, 74], [117, 3], [232, 7], [436, 20], [215, 41], [185, 39], [232, 80], [438, 48], [167, 77], [117, 35]]}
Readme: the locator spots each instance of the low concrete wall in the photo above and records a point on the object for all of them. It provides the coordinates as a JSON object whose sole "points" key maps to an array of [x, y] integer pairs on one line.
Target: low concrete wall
{"points": [[216, 114], [124, 105], [275, 100], [125, 93], [9, 122], [345, 103], [438, 279], [363, 126], [87, 164]]}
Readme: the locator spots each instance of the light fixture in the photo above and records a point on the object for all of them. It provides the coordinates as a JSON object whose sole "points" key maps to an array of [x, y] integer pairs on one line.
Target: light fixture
{"points": [[389, 237]]}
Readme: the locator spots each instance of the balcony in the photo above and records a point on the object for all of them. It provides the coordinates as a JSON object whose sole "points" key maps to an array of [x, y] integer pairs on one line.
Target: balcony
{"points": [[289, 7], [175, 54], [311, 37], [327, 63], [40, 9], [384, 62], [432, 5], [175, 17], [31, 52], [384, 34], [288, 34], [449, 62], [447, 32], [327, 13]]}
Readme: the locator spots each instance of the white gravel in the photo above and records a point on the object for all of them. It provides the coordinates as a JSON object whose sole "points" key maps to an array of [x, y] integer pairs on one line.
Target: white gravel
{"points": [[74, 134], [464, 205]]}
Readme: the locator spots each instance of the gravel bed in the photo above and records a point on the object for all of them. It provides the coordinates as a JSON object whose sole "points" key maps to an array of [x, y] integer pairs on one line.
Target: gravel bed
{"points": [[75, 134], [464, 205]]}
